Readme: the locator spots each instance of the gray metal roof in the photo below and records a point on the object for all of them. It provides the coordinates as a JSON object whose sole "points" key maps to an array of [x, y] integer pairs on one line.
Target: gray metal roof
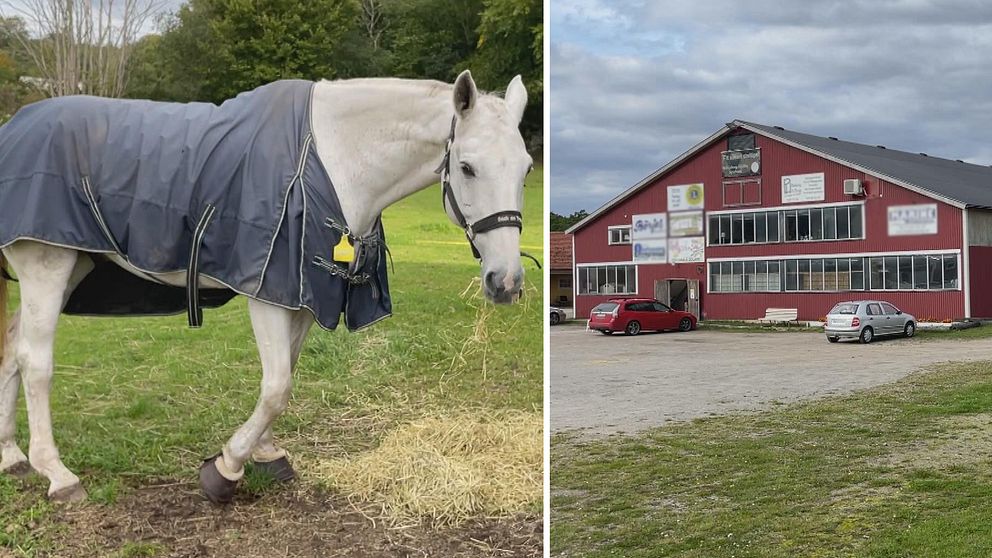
{"points": [[967, 184], [959, 184]]}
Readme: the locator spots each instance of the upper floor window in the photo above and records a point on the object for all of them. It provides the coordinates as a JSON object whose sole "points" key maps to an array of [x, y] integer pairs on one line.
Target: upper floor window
{"points": [[619, 234], [823, 223]]}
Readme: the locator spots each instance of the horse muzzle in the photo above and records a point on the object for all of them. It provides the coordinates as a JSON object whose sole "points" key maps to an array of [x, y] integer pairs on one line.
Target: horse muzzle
{"points": [[503, 286]]}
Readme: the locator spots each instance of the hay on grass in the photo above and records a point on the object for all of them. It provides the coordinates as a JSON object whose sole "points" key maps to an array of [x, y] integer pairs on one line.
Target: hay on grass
{"points": [[447, 469]]}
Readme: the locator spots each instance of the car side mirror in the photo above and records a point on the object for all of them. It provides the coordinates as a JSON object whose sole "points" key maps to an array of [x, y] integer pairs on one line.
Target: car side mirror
{"points": [[898, 312]]}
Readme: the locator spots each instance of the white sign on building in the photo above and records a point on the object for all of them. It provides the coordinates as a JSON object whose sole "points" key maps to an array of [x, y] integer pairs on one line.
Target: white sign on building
{"points": [[649, 237], [905, 220], [687, 250], [686, 197], [689, 223], [653, 250], [798, 188]]}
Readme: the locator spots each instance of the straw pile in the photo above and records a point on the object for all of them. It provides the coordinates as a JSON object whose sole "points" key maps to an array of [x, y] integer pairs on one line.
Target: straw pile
{"points": [[448, 469]]}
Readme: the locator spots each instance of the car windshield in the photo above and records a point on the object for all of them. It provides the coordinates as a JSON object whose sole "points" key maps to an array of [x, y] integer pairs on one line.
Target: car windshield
{"points": [[845, 308], [605, 307]]}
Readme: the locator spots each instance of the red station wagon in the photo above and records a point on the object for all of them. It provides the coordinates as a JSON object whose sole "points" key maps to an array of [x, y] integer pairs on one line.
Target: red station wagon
{"points": [[634, 315]]}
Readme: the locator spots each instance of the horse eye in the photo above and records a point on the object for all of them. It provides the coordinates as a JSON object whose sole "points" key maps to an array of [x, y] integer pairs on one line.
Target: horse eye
{"points": [[467, 170]]}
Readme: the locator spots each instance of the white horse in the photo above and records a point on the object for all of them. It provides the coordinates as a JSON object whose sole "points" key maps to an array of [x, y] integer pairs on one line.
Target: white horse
{"points": [[380, 140]]}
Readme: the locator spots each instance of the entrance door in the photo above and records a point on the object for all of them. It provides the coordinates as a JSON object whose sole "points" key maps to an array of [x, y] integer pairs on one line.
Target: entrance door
{"points": [[693, 297], [662, 291], [678, 294]]}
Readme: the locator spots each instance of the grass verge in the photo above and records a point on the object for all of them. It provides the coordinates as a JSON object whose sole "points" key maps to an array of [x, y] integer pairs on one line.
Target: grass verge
{"points": [[900, 470]]}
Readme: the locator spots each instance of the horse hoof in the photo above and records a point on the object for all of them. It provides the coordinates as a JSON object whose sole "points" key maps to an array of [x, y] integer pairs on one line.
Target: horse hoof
{"points": [[279, 469], [218, 489], [20, 470], [68, 494]]}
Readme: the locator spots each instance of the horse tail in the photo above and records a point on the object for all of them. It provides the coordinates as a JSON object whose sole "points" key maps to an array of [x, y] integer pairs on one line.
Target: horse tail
{"points": [[3, 304]]}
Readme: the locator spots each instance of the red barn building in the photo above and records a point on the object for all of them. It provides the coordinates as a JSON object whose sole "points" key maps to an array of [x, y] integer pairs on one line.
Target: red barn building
{"points": [[757, 217]]}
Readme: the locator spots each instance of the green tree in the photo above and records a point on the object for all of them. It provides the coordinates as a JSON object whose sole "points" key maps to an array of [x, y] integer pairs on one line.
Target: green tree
{"points": [[431, 38], [213, 49], [562, 222], [511, 42]]}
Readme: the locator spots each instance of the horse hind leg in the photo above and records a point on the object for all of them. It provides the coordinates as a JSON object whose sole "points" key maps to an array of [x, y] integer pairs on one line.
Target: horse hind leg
{"points": [[12, 459], [47, 275]]}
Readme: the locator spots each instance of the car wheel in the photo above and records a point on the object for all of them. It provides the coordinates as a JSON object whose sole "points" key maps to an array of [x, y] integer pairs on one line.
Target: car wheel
{"points": [[685, 324], [555, 318], [867, 334], [910, 329], [833, 339], [633, 328]]}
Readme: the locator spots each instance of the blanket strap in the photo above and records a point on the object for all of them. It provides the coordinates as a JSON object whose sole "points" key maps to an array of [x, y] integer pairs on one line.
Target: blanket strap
{"points": [[193, 310]]}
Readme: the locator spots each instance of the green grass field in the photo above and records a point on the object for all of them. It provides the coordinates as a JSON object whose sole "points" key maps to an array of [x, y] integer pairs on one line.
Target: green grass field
{"points": [[142, 400], [902, 470]]}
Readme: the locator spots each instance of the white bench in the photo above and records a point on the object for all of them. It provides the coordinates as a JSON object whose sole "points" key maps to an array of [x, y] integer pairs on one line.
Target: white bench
{"points": [[780, 315]]}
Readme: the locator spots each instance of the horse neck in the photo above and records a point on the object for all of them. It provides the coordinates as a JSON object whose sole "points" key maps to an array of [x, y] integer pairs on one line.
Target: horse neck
{"points": [[380, 141]]}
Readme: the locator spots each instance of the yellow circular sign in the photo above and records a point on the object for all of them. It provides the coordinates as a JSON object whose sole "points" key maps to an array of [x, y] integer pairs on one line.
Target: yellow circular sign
{"points": [[694, 194]]}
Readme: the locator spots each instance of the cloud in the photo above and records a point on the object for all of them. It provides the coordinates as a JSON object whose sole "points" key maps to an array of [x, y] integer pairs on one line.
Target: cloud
{"points": [[634, 84]]}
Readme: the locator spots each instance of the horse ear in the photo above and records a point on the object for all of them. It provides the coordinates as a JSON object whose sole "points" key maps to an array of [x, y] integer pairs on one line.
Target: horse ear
{"points": [[465, 94], [516, 98]]}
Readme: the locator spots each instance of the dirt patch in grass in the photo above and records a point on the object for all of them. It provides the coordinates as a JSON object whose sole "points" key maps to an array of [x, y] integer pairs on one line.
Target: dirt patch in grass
{"points": [[962, 440], [173, 519]]}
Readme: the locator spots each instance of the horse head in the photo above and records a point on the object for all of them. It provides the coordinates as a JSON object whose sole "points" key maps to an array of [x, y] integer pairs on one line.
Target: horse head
{"points": [[483, 175]]}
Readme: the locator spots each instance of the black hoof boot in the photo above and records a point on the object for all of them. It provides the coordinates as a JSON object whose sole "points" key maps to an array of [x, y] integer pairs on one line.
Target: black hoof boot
{"points": [[279, 469], [218, 489]]}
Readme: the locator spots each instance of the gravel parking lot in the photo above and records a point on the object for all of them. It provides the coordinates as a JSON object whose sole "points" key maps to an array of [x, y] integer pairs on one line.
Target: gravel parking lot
{"points": [[603, 385]]}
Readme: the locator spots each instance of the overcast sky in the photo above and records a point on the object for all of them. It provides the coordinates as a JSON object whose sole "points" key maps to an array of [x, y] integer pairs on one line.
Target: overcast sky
{"points": [[635, 83]]}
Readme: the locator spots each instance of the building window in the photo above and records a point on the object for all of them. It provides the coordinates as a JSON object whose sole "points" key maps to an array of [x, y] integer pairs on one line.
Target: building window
{"points": [[564, 282], [914, 273], [743, 228], [737, 193], [608, 279], [823, 223], [885, 273], [619, 234]]}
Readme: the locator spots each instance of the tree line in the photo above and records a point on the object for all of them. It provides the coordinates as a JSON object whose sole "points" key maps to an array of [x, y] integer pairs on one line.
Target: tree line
{"points": [[210, 50]]}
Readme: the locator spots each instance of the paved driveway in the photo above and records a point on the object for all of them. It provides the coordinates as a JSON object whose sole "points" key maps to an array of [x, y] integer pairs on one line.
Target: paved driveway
{"points": [[603, 385]]}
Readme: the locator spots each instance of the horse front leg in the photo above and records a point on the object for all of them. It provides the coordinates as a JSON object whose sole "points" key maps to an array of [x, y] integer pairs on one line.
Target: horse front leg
{"points": [[266, 455], [273, 327]]}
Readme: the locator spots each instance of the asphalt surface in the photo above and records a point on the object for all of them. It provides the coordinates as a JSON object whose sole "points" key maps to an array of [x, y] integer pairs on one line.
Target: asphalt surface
{"points": [[606, 385]]}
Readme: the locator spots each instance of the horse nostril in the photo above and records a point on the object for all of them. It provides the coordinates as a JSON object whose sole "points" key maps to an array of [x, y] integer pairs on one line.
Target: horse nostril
{"points": [[491, 282]]}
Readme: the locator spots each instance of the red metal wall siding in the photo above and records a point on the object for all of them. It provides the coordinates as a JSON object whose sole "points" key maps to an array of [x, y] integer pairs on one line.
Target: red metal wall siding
{"points": [[981, 281], [777, 160], [932, 306]]}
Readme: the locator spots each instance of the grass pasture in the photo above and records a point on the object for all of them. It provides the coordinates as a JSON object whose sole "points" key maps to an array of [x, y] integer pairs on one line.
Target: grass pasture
{"points": [[138, 402], [901, 470]]}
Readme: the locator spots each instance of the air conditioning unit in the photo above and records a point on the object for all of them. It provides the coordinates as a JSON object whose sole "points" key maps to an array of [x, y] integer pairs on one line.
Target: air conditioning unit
{"points": [[853, 187]]}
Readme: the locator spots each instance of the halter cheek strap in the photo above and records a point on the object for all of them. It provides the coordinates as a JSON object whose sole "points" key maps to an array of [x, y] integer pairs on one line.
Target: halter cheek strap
{"points": [[499, 219]]}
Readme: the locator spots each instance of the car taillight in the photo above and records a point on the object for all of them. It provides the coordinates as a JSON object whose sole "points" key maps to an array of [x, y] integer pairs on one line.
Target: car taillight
{"points": [[856, 322]]}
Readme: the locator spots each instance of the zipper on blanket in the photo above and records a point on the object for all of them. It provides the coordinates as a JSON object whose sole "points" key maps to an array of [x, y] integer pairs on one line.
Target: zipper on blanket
{"points": [[88, 192], [193, 310]]}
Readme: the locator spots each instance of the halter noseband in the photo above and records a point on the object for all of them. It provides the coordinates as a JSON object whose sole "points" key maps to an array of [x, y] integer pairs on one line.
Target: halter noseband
{"points": [[507, 218]]}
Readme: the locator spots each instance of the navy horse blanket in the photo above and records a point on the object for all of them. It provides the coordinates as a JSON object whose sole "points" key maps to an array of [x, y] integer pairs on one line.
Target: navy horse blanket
{"points": [[234, 192]]}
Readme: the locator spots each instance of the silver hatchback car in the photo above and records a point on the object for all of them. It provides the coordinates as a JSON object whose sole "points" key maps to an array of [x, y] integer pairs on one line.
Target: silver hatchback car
{"points": [[866, 319]]}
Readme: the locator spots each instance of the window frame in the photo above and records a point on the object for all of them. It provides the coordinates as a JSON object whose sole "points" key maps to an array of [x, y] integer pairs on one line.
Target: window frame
{"points": [[629, 272], [621, 228], [844, 273], [786, 224]]}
